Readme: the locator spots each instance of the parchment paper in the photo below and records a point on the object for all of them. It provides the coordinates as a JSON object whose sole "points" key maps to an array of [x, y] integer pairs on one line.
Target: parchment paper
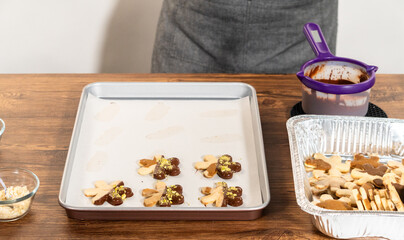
{"points": [[116, 134]]}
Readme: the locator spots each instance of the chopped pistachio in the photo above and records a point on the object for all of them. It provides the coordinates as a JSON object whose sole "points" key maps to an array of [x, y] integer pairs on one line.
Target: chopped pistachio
{"points": [[224, 169]]}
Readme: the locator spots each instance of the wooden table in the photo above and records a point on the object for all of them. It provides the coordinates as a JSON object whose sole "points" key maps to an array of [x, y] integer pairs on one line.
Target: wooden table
{"points": [[39, 111]]}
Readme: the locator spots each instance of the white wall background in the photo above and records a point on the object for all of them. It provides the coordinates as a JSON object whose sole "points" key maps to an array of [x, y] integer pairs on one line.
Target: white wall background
{"points": [[76, 36], [372, 31]]}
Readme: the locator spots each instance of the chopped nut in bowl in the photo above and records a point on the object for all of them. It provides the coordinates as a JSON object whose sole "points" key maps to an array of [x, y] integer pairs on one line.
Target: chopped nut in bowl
{"points": [[19, 187]]}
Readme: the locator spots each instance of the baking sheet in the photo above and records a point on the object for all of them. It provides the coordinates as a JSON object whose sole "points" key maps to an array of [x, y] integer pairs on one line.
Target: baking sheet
{"points": [[116, 133]]}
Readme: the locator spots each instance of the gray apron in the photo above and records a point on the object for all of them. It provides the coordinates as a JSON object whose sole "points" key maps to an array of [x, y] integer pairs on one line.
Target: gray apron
{"points": [[239, 36]]}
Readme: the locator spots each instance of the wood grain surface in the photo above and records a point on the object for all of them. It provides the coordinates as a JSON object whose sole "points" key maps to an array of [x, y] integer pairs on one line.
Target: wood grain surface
{"points": [[40, 110]]}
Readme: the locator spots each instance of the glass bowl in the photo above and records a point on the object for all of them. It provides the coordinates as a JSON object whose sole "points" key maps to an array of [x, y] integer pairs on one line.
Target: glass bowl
{"points": [[22, 186]]}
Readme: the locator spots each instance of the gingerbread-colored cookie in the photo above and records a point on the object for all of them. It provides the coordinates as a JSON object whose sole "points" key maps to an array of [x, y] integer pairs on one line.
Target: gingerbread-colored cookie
{"points": [[114, 193], [395, 197], [160, 167], [360, 160], [317, 164], [222, 195], [148, 165], [400, 190], [346, 192], [163, 196], [335, 161], [363, 177], [147, 162], [316, 191], [368, 185], [223, 166], [334, 205], [152, 196], [209, 165], [333, 181], [398, 168], [318, 174], [378, 171]]}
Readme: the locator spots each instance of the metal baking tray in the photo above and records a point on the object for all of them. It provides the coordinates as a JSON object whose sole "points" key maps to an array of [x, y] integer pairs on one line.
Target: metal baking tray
{"points": [[345, 136], [125, 122]]}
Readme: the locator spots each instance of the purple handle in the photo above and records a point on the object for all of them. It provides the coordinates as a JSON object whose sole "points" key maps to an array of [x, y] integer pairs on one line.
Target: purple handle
{"points": [[372, 68], [317, 41]]}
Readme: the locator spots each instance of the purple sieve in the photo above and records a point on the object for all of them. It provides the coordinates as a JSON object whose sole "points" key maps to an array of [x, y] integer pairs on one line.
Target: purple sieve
{"points": [[319, 45]]}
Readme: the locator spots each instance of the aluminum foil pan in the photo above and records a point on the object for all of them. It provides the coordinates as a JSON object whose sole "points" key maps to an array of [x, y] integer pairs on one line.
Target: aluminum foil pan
{"points": [[345, 136]]}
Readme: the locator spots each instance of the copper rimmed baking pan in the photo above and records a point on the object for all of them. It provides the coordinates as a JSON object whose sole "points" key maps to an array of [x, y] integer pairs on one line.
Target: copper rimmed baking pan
{"points": [[345, 136], [118, 124]]}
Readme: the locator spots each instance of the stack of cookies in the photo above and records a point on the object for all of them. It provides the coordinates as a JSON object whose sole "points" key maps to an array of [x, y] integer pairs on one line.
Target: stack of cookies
{"points": [[362, 184]]}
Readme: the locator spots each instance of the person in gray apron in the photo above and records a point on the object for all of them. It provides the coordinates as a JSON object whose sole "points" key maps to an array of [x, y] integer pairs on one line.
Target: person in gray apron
{"points": [[239, 36]]}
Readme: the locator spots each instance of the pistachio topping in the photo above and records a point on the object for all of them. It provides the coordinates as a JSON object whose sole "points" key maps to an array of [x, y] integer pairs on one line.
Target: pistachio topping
{"points": [[222, 195], [225, 168], [166, 166], [231, 195], [114, 193], [225, 158], [171, 196], [164, 163]]}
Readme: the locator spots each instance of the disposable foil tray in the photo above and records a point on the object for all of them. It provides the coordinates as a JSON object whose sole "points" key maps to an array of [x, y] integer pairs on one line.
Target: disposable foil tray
{"points": [[345, 136], [118, 124]]}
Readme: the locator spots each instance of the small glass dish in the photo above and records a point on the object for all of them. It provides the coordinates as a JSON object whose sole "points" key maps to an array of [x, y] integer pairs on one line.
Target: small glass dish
{"points": [[22, 186]]}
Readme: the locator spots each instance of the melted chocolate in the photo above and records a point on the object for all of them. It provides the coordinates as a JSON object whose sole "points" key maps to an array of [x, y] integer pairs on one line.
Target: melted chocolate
{"points": [[226, 167], [101, 200], [318, 69], [115, 201], [314, 71], [166, 167], [118, 195], [335, 82], [378, 183], [172, 196], [159, 172], [362, 78], [379, 171], [232, 196]]}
